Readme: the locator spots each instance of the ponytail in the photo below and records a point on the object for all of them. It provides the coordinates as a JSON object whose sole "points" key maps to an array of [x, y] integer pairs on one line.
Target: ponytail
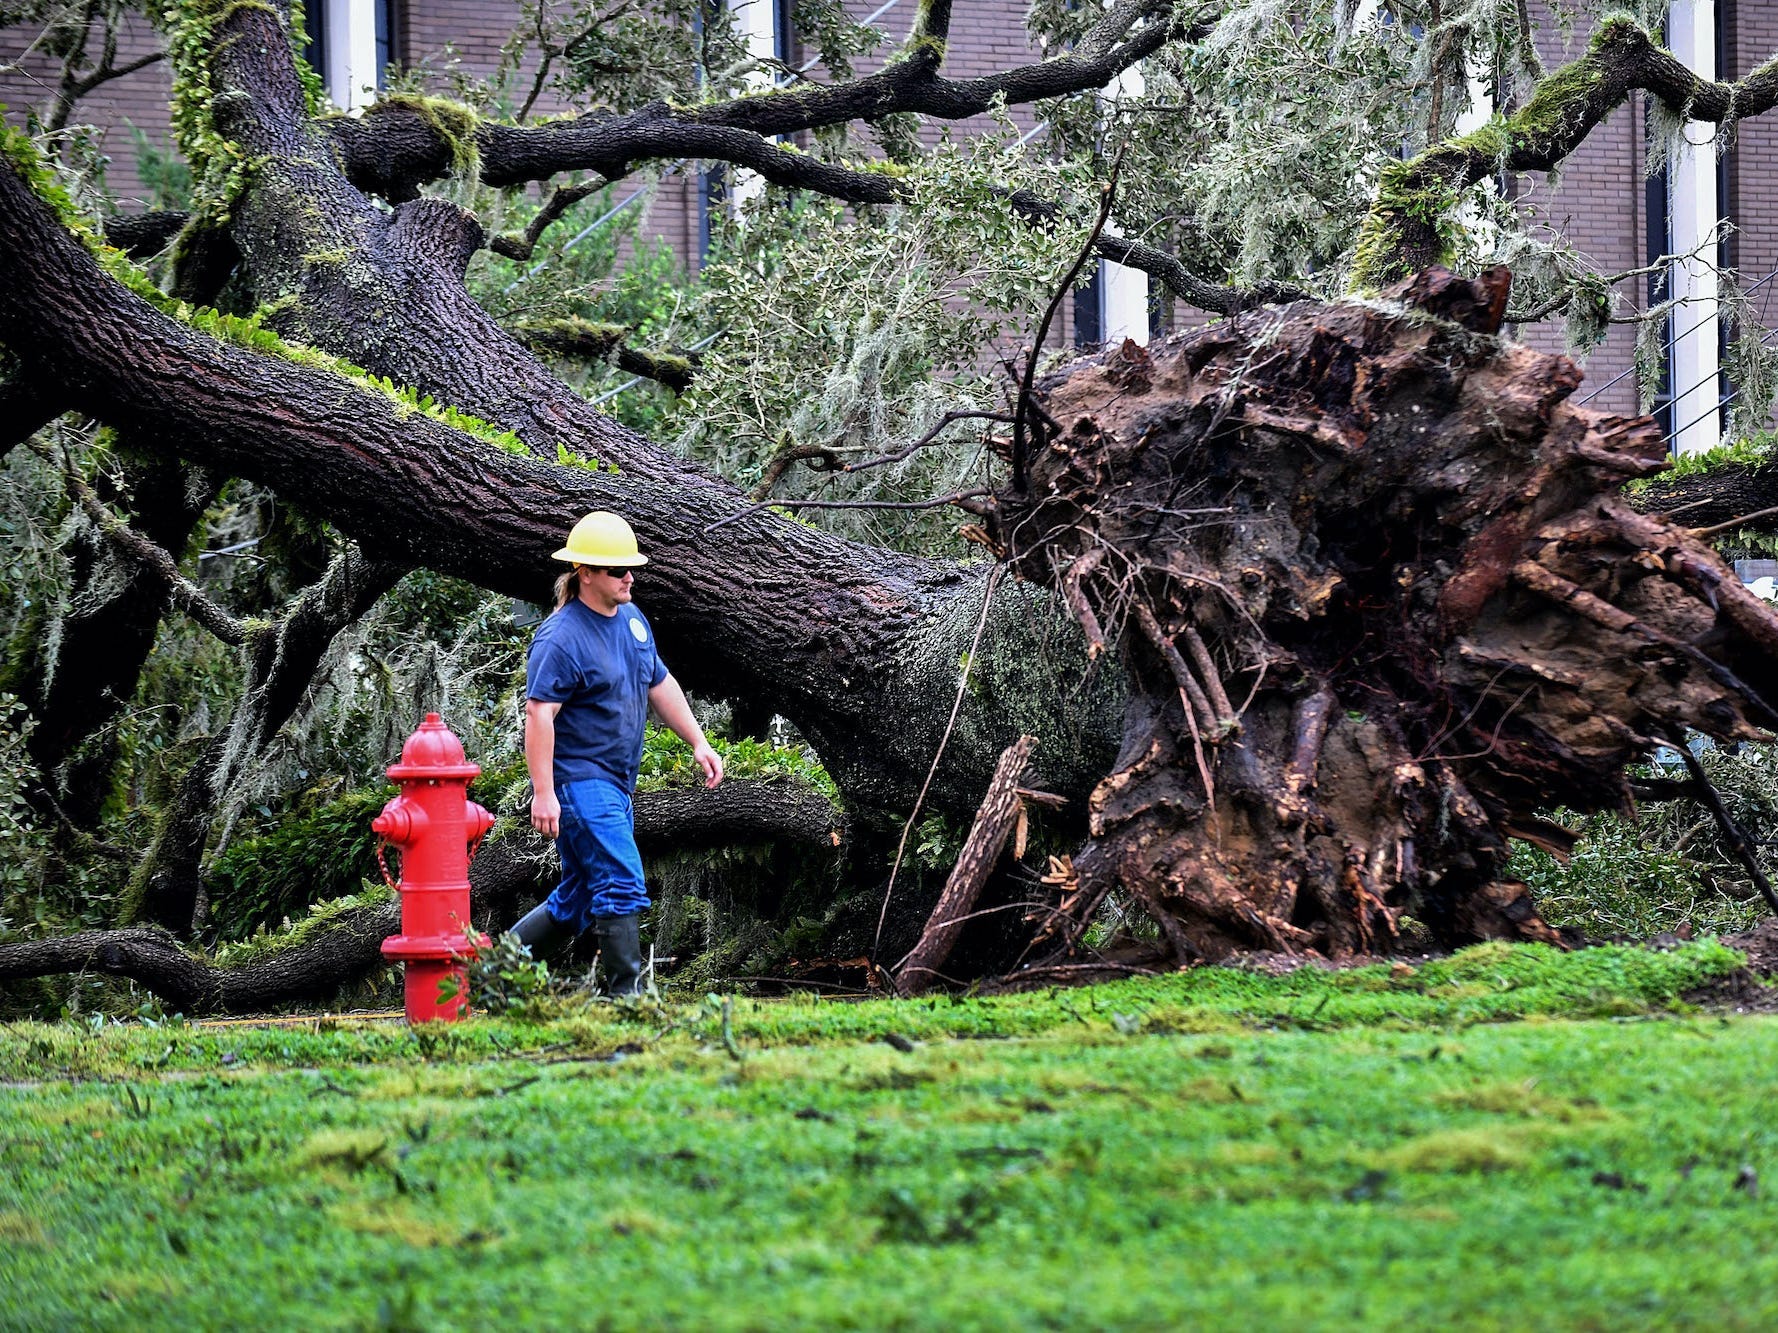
{"points": [[567, 587]]}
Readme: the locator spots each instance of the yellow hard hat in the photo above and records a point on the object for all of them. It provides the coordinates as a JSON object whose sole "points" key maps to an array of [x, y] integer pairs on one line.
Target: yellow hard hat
{"points": [[601, 538]]}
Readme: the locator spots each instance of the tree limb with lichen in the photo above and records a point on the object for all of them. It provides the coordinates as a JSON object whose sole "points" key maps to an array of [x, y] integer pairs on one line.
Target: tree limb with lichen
{"points": [[587, 341], [1408, 226]]}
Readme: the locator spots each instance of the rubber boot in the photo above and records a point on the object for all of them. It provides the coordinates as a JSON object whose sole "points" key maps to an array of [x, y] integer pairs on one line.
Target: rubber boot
{"points": [[539, 931], [620, 950]]}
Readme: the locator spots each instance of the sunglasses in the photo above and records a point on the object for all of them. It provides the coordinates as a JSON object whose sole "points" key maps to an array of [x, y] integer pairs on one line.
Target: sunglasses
{"points": [[614, 573]]}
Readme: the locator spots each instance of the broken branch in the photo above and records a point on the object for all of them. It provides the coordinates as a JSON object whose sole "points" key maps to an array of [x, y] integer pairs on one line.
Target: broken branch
{"points": [[1000, 810]]}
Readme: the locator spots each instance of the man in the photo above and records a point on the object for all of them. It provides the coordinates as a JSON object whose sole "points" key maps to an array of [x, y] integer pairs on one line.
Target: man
{"points": [[590, 678]]}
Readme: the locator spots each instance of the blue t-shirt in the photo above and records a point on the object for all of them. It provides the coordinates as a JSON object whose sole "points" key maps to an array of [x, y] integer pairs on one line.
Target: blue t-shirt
{"points": [[600, 669]]}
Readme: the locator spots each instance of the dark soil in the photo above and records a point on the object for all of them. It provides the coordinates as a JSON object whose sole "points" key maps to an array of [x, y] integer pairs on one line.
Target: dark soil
{"points": [[1741, 992], [1760, 945], [1748, 991]]}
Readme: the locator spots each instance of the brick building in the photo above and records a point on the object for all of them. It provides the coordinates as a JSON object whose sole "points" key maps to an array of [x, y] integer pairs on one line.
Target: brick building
{"points": [[1600, 200], [1622, 220]]}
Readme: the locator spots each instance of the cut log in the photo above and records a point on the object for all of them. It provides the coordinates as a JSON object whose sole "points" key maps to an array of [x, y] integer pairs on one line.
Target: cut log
{"points": [[1002, 811]]}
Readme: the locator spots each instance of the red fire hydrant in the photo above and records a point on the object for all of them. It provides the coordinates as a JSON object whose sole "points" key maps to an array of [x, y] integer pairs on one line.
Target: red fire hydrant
{"points": [[435, 825]]}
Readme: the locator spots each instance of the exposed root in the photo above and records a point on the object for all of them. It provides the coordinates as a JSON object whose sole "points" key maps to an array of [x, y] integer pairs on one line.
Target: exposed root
{"points": [[1397, 541]]}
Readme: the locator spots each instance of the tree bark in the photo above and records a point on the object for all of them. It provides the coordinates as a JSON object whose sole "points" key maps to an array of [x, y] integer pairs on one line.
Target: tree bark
{"points": [[1395, 544]]}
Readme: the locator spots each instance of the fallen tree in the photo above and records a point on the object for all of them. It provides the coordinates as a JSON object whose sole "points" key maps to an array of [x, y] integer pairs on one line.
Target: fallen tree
{"points": [[1363, 591]]}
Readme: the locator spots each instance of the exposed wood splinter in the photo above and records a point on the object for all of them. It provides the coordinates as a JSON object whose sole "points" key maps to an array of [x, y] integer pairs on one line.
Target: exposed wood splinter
{"points": [[1002, 815], [1075, 595]]}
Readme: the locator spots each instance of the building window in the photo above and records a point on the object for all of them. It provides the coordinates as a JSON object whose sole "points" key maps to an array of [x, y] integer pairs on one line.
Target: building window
{"points": [[326, 25], [1657, 229], [784, 30], [1089, 312], [388, 30], [315, 30]]}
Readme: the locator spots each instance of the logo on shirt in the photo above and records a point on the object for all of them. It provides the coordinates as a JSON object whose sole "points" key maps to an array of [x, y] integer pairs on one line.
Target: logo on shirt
{"points": [[640, 633]]}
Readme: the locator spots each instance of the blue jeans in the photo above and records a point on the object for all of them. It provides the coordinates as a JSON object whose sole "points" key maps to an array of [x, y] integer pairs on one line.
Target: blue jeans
{"points": [[601, 868]]}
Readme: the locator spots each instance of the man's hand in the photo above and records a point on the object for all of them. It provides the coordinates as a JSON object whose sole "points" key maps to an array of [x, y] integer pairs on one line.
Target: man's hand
{"points": [[668, 700], [546, 812], [709, 761]]}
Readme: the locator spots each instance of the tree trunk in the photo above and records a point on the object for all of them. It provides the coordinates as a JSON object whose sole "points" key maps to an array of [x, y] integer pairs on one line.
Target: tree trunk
{"points": [[856, 645]]}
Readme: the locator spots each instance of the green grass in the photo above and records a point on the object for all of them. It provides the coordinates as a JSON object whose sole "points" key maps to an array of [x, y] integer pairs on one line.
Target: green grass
{"points": [[1215, 1147]]}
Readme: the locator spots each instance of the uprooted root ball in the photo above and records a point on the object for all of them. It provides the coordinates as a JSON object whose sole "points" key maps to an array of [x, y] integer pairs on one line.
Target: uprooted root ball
{"points": [[1379, 601]]}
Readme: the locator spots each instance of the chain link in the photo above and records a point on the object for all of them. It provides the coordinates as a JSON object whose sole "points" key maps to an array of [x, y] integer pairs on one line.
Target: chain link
{"points": [[383, 865]]}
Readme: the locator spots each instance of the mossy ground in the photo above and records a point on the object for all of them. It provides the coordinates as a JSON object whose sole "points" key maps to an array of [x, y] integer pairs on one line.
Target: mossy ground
{"points": [[1209, 1148]]}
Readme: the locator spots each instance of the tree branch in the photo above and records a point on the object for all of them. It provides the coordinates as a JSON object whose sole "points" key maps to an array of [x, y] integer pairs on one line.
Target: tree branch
{"points": [[521, 245], [145, 235], [1725, 822], [605, 342], [27, 404], [102, 75], [402, 310], [394, 148], [72, 86], [1401, 234], [1000, 811], [184, 593], [781, 165], [346, 952], [907, 452], [910, 83], [86, 666]]}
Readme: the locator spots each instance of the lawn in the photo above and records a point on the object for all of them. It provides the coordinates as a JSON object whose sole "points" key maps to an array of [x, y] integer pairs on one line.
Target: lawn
{"points": [[1388, 1147]]}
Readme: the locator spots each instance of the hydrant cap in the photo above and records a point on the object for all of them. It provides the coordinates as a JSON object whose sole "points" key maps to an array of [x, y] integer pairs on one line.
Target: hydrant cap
{"points": [[433, 751]]}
